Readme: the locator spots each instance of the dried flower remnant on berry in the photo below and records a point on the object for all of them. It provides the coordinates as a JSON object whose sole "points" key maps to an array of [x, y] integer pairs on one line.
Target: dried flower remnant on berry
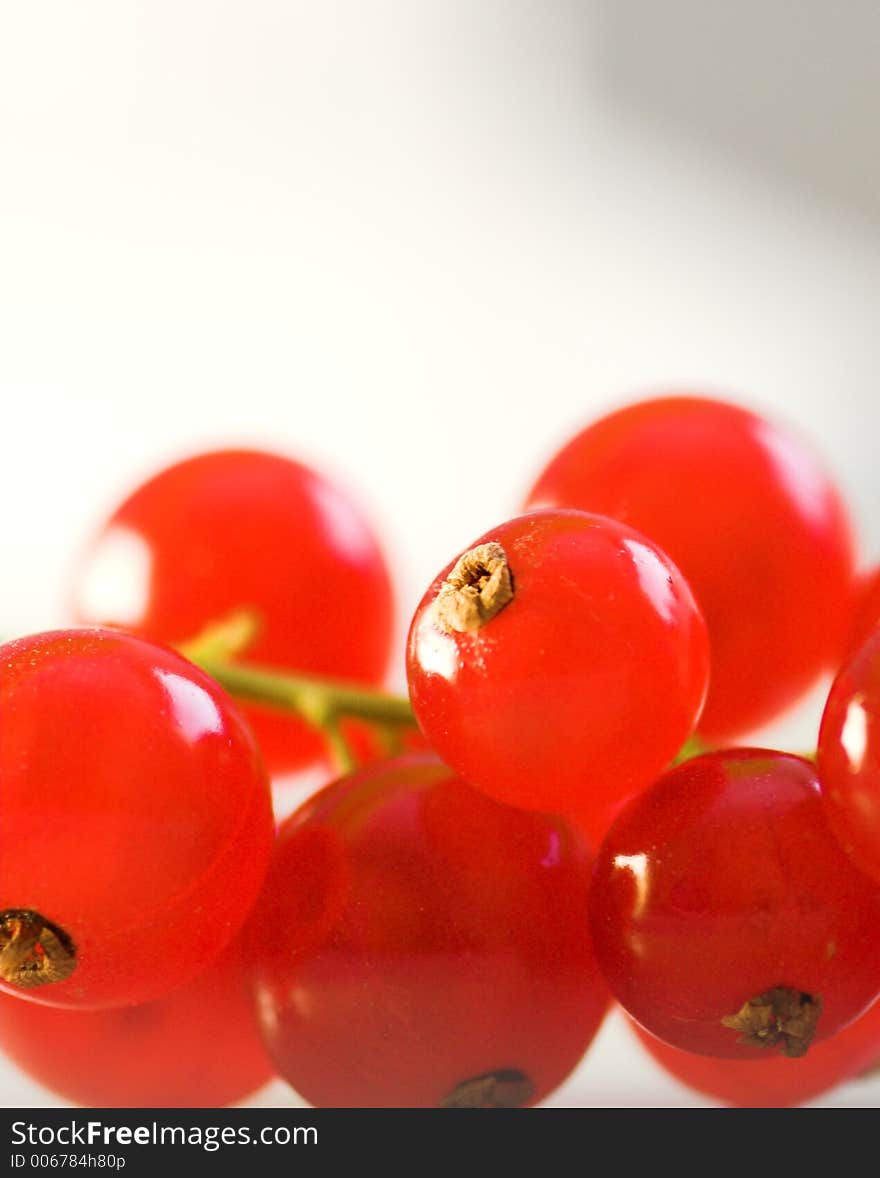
{"points": [[33, 951], [507, 1088], [781, 1017], [479, 586]]}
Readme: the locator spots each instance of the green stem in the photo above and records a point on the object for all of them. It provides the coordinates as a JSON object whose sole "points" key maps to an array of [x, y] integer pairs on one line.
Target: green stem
{"points": [[230, 636], [692, 747], [320, 701], [346, 762]]}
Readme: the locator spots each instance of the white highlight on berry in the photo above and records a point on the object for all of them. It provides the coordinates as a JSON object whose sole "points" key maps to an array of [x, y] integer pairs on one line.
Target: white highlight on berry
{"points": [[653, 577], [638, 866], [802, 477], [195, 713], [437, 652], [348, 530], [854, 735], [115, 584], [267, 1012], [553, 855], [302, 1001]]}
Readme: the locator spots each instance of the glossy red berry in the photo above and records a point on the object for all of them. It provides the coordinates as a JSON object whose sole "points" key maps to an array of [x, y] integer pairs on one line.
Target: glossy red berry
{"points": [[417, 944], [725, 916], [581, 686], [772, 1081], [199, 1047], [849, 756], [244, 529], [751, 520], [135, 819]]}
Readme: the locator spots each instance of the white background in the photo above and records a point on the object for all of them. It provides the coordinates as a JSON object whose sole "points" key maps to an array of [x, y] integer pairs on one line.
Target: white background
{"points": [[417, 242]]}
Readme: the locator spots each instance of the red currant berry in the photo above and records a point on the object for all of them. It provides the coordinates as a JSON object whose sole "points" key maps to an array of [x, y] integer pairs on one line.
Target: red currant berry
{"points": [[236, 529], [752, 522], [559, 664], [849, 756], [725, 916], [135, 819], [772, 1081], [199, 1047], [417, 944]]}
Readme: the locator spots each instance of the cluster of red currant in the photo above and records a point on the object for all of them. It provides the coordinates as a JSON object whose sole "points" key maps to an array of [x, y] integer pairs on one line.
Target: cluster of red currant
{"points": [[444, 924]]}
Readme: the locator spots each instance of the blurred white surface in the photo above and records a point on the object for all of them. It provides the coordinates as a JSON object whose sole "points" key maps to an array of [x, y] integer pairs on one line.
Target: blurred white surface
{"points": [[413, 242]]}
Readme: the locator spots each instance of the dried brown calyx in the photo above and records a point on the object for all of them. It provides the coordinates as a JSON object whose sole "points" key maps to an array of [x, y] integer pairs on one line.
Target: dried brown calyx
{"points": [[506, 1088], [33, 951], [478, 588], [780, 1018]]}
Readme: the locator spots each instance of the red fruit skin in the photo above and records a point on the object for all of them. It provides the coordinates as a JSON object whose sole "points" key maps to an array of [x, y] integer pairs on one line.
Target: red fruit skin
{"points": [[721, 882], [134, 811], [237, 529], [413, 934], [583, 688], [849, 756], [772, 1081], [198, 1047], [752, 521]]}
